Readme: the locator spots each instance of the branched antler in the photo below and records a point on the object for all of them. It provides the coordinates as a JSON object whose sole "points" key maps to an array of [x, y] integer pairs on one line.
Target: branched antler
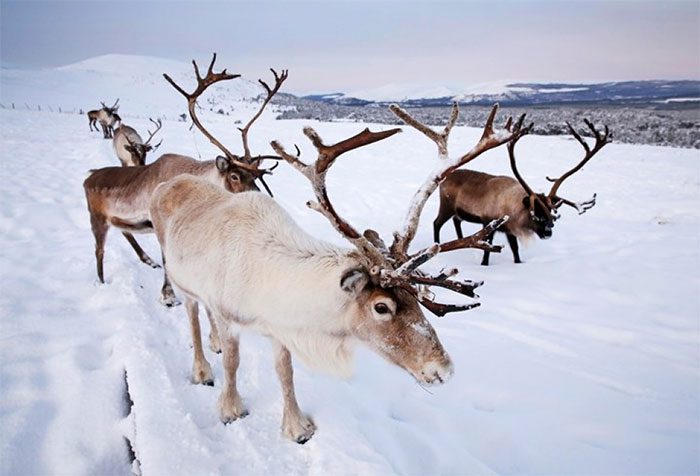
{"points": [[202, 84], [601, 140], [111, 109], [279, 79], [159, 125]]}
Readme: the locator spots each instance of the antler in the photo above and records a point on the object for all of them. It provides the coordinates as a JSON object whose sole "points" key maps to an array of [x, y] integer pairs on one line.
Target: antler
{"points": [[202, 85], [279, 79], [113, 108], [489, 139], [316, 173], [547, 208], [600, 141]]}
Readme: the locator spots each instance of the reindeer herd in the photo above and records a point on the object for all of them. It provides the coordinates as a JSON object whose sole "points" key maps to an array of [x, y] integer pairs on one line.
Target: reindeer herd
{"points": [[238, 253]]}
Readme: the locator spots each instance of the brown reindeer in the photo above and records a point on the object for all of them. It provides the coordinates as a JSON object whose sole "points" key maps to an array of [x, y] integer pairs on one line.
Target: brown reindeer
{"points": [[247, 261], [130, 148], [478, 197], [93, 117], [120, 196]]}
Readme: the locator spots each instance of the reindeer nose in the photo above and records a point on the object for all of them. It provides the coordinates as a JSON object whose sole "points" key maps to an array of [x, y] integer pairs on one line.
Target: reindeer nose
{"points": [[437, 372]]}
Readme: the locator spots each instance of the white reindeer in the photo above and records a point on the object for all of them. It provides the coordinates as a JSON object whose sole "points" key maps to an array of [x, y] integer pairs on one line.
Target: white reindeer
{"points": [[130, 148], [248, 262]]}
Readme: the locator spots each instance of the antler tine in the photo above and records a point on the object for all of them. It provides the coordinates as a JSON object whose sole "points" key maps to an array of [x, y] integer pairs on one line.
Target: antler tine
{"points": [[442, 309], [327, 154], [202, 85], [581, 207], [600, 141], [279, 79], [316, 173], [489, 139], [440, 138]]}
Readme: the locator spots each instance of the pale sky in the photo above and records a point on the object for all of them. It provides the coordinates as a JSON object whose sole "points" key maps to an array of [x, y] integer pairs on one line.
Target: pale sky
{"points": [[347, 45]]}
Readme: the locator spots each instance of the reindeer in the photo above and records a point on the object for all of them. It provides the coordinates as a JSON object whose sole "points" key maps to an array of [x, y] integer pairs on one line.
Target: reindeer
{"points": [[248, 262], [108, 118], [119, 196], [130, 148], [479, 197], [93, 117]]}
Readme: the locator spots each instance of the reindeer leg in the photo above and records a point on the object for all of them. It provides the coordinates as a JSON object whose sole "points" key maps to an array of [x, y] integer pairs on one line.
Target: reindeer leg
{"points": [[513, 242], [485, 260], [214, 340], [99, 229], [295, 425], [230, 405], [167, 295], [139, 251], [201, 370], [443, 216], [458, 226]]}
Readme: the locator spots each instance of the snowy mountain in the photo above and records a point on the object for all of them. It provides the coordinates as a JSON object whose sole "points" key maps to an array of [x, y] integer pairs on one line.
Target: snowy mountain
{"points": [[520, 93], [136, 80]]}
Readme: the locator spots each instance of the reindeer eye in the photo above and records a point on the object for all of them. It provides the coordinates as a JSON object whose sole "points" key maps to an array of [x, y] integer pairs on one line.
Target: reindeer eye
{"points": [[235, 178], [381, 308]]}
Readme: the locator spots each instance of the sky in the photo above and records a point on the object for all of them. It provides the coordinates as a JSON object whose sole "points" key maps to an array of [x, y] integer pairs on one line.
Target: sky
{"points": [[348, 45]]}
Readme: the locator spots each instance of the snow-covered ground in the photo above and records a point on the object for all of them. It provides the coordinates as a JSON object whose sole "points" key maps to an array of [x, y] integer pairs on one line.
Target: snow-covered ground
{"points": [[583, 360]]}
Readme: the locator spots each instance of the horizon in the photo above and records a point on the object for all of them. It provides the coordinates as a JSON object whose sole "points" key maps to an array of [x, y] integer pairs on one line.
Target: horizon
{"points": [[389, 43]]}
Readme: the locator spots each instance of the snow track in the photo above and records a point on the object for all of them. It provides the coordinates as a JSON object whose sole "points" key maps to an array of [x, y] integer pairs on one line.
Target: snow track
{"points": [[582, 360]]}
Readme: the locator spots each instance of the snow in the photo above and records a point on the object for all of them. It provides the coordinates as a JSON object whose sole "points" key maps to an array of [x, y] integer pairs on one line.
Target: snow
{"points": [[582, 360]]}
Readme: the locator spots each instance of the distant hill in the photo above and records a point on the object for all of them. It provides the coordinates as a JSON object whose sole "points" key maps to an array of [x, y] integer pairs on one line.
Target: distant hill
{"points": [[521, 94], [136, 80]]}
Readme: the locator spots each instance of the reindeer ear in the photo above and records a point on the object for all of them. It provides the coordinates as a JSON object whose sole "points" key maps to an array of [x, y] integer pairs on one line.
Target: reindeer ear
{"points": [[222, 163], [354, 281]]}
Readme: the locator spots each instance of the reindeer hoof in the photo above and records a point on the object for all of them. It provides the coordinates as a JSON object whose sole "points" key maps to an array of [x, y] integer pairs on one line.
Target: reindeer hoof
{"points": [[214, 345], [231, 409], [231, 418], [169, 300], [299, 430]]}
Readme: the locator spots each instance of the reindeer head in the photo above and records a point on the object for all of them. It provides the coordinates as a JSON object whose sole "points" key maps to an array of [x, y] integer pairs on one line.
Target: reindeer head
{"points": [[544, 209], [386, 287], [390, 322], [236, 178], [238, 173], [542, 213], [137, 150], [111, 110]]}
